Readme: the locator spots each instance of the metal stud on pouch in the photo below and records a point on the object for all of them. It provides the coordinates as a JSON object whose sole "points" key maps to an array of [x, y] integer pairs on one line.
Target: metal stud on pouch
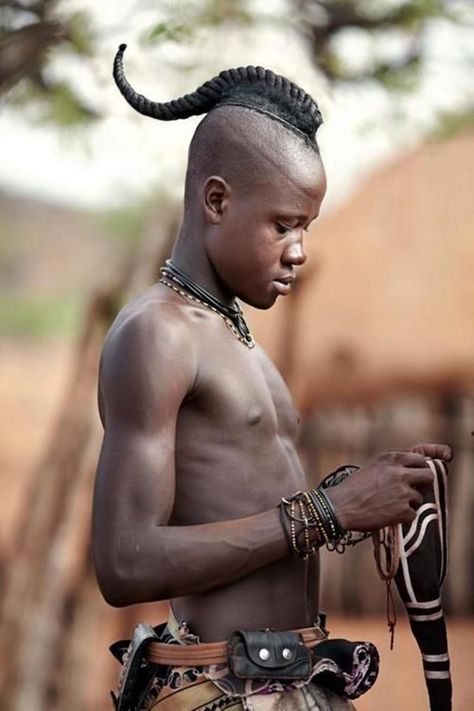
{"points": [[286, 654], [264, 654]]}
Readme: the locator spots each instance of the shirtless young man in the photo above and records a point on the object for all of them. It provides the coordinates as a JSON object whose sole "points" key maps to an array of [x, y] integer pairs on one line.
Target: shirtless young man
{"points": [[200, 430]]}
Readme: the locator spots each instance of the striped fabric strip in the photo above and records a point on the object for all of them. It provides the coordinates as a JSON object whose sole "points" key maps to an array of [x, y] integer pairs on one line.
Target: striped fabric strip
{"points": [[424, 605], [435, 658], [415, 526], [426, 618], [437, 675]]}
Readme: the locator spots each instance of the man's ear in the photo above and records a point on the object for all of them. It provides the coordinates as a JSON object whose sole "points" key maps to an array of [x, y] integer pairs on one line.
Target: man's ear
{"points": [[215, 196]]}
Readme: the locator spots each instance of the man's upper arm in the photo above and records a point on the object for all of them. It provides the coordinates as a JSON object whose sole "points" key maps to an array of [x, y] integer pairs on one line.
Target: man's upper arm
{"points": [[147, 368]]}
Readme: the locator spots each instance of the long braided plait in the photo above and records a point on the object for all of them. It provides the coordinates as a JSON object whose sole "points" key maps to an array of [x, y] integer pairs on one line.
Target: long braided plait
{"points": [[254, 87]]}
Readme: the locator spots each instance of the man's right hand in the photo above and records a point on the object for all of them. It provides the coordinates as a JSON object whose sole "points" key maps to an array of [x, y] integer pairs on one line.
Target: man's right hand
{"points": [[388, 490]]}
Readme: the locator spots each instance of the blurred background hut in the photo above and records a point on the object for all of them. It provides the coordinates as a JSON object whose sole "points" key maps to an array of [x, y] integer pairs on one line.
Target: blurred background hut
{"points": [[375, 342]]}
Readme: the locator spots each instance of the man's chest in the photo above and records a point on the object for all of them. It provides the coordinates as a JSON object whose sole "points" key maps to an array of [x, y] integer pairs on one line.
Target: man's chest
{"points": [[240, 389], [236, 439]]}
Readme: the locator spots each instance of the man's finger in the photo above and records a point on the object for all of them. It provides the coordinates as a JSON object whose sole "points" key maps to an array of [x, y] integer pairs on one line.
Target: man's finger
{"points": [[419, 478], [434, 451], [416, 499], [412, 459]]}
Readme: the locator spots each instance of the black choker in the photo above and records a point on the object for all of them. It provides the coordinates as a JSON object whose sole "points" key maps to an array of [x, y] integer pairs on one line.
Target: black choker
{"points": [[173, 277]]}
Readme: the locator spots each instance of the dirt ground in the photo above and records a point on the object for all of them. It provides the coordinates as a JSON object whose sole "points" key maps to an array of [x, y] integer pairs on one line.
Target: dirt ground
{"points": [[32, 378]]}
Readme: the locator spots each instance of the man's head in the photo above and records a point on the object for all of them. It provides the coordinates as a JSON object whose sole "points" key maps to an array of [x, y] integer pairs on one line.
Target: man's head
{"points": [[254, 186], [255, 178]]}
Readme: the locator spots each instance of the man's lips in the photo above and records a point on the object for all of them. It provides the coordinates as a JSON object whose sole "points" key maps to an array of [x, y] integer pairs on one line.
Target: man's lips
{"points": [[283, 284], [287, 279]]}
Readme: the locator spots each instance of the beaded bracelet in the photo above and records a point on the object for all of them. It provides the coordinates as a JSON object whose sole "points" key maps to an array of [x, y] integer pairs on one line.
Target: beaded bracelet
{"points": [[295, 514], [306, 515]]}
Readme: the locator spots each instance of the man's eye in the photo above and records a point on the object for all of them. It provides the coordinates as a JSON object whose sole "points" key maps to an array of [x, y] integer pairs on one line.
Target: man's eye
{"points": [[282, 229]]}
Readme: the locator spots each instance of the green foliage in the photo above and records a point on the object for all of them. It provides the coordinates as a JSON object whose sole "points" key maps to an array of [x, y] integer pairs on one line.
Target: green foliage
{"points": [[125, 224], [82, 37], [450, 123], [398, 78], [173, 31], [183, 27], [410, 15], [63, 108], [32, 316], [215, 12], [59, 105]]}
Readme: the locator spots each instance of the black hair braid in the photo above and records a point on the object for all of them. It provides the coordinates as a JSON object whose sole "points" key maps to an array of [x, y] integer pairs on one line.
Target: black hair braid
{"points": [[202, 100], [252, 87]]}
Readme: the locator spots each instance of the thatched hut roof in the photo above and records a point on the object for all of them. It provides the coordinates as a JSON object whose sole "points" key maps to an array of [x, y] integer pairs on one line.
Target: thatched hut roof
{"points": [[386, 299]]}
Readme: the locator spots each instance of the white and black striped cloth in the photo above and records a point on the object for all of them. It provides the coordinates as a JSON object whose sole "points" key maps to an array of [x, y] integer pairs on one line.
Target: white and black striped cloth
{"points": [[423, 548], [423, 557]]}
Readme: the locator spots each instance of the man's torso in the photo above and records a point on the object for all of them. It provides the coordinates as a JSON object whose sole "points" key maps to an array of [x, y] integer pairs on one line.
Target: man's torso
{"points": [[235, 456]]}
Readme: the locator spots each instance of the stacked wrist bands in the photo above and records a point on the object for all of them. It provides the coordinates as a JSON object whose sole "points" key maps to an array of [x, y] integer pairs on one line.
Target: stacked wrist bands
{"points": [[309, 522]]}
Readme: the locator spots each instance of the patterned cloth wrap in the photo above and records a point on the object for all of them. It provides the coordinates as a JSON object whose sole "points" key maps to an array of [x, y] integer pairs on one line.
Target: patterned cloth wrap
{"points": [[341, 671]]}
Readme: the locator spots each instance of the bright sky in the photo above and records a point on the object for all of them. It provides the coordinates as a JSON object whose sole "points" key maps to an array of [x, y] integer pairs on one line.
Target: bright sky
{"points": [[126, 156]]}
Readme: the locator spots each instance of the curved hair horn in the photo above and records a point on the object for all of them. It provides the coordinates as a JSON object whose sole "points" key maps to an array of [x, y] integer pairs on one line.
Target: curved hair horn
{"points": [[199, 102]]}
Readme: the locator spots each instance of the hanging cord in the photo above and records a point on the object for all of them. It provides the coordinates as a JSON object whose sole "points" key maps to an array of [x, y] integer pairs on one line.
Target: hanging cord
{"points": [[387, 559]]}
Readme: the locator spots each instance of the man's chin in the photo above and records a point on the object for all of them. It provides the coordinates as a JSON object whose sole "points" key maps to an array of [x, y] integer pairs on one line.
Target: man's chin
{"points": [[261, 304]]}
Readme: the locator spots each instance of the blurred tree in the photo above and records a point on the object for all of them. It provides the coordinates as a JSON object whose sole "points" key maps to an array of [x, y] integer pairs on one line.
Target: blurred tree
{"points": [[29, 29], [390, 34]]}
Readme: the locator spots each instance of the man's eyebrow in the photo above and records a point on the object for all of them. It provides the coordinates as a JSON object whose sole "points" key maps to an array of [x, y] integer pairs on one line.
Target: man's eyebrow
{"points": [[300, 218]]}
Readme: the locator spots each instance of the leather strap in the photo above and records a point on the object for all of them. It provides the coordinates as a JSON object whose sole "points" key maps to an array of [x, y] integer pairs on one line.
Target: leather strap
{"points": [[207, 653]]}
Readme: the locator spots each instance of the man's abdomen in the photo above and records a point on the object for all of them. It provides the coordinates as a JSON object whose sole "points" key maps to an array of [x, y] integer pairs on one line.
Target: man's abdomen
{"points": [[283, 595]]}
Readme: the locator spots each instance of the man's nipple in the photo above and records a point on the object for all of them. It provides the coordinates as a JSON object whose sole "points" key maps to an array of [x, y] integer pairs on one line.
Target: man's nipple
{"points": [[254, 415]]}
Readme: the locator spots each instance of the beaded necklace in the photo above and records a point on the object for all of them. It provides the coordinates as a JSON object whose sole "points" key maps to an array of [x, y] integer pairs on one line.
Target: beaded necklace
{"points": [[177, 280]]}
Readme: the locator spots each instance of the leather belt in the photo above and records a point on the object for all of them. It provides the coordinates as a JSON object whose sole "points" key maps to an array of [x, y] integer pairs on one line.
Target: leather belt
{"points": [[207, 653]]}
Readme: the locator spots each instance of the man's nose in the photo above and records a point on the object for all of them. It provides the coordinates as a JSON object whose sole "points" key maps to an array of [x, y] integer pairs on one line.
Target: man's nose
{"points": [[294, 254]]}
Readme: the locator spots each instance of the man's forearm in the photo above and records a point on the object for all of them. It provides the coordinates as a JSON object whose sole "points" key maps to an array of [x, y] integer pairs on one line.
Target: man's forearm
{"points": [[169, 561]]}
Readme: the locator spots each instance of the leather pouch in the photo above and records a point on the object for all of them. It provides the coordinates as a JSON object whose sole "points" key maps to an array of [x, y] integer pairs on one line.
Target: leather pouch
{"points": [[267, 654]]}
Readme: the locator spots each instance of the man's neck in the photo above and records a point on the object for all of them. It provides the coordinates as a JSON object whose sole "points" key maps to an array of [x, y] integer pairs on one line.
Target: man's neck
{"points": [[190, 256]]}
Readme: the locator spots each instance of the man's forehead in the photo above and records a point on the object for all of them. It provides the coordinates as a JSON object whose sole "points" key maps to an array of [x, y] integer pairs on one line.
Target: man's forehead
{"points": [[291, 174], [293, 165]]}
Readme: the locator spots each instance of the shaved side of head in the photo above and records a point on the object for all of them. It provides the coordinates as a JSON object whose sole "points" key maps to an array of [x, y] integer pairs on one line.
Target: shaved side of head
{"points": [[245, 148]]}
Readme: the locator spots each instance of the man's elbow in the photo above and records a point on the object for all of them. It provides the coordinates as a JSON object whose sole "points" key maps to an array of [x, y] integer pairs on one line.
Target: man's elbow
{"points": [[114, 594], [111, 588], [124, 598], [121, 590]]}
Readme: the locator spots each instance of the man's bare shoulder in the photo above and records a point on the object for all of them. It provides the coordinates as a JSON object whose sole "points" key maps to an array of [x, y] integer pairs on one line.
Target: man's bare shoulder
{"points": [[150, 335], [156, 314]]}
